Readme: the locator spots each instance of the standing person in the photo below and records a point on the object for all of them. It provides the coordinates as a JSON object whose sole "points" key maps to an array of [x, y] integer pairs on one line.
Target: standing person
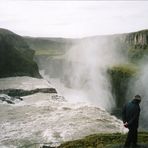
{"points": [[130, 117]]}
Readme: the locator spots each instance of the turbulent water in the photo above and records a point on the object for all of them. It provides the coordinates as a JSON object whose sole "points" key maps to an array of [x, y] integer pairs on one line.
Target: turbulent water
{"points": [[24, 83], [49, 118], [83, 68]]}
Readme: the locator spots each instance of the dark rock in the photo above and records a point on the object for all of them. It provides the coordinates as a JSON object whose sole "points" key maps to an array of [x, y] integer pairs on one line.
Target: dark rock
{"points": [[19, 98], [44, 146], [16, 57], [2, 98], [21, 92], [138, 39], [9, 99], [9, 102], [120, 76], [6, 98]]}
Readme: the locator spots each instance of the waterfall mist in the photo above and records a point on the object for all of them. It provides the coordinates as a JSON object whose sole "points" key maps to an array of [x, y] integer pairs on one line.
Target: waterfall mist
{"points": [[84, 71], [139, 86]]}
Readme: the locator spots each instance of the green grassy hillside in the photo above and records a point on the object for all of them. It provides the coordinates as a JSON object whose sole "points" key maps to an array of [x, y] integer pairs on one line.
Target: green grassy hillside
{"points": [[120, 76], [103, 141], [49, 46], [16, 57]]}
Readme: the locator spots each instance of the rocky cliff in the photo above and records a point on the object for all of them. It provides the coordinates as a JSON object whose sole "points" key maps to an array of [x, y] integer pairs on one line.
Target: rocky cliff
{"points": [[135, 44], [16, 57], [138, 39]]}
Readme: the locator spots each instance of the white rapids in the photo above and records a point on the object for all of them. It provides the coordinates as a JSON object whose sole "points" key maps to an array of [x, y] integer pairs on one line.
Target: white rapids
{"points": [[46, 118]]}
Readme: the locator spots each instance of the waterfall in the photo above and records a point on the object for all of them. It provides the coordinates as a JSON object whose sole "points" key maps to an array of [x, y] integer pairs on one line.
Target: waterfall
{"points": [[84, 71]]}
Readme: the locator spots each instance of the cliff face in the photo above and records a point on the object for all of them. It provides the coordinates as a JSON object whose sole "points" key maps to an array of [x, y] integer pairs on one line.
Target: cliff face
{"points": [[136, 47], [135, 44], [16, 57], [138, 39]]}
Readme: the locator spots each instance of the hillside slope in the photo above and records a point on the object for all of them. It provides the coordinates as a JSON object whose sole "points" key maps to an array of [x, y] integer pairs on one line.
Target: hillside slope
{"points": [[52, 46], [16, 57]]}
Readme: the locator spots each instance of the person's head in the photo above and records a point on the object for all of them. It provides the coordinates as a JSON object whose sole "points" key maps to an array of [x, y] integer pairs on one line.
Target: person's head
{"points": [[137, 98]]}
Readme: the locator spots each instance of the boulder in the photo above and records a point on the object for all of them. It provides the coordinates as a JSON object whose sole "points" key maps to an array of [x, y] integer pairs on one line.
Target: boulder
{"points": [[9, 99]]}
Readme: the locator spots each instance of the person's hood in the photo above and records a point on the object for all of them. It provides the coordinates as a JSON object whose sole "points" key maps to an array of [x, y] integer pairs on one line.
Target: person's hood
{"points": [[136, 101]]}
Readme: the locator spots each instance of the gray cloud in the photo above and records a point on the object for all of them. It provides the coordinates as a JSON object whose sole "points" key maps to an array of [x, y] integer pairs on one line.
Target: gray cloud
{"points": [[73, 18]]}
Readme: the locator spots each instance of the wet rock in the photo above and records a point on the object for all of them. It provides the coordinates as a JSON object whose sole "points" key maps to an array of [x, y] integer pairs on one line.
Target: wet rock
{"points": [[9, 99], [9, 102], [58, 97], [16, 57], [44, 146], [138, 39], [21, 92], [6, 98], [19, 98]]}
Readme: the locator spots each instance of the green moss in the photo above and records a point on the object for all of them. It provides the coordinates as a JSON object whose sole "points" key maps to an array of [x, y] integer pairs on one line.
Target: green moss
{"points": [[48, 52], [120, 75], [102, 140], [126, 70], [136, 53]]}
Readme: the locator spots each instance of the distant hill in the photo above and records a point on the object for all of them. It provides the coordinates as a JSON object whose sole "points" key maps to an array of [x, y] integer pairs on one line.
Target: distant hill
{"points": [[17, 52], [134, 43], [16, 57], [46, 46]]}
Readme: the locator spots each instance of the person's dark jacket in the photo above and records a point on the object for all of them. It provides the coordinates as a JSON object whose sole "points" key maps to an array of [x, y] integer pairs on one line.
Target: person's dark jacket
{"points": [[130, 113]]}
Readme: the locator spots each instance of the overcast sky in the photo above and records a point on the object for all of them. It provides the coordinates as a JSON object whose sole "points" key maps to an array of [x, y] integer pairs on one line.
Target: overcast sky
{"points": [[73, 18]]}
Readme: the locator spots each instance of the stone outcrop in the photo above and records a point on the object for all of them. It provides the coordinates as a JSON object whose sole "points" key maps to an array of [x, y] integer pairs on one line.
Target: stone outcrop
{"points": [[9, 99], [21, 92], [137, 39], [16, 57], [120, 75]]}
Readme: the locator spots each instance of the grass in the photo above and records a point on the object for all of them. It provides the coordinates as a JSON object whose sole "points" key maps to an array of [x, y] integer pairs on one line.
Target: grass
{"points": [[126, 70], [120, 76], [136, 54], [48, 52], [103, 140]]}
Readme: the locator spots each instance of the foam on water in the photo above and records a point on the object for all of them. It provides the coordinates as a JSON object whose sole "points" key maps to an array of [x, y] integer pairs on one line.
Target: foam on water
{"points": [[42, 119]]}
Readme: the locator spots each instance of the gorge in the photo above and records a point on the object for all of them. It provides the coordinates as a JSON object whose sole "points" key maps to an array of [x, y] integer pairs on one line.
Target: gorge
{"points": [[73, 85]]}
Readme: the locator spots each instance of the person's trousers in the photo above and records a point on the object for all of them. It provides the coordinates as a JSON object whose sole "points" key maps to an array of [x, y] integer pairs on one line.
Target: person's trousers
{"points": [[131, 138]]}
